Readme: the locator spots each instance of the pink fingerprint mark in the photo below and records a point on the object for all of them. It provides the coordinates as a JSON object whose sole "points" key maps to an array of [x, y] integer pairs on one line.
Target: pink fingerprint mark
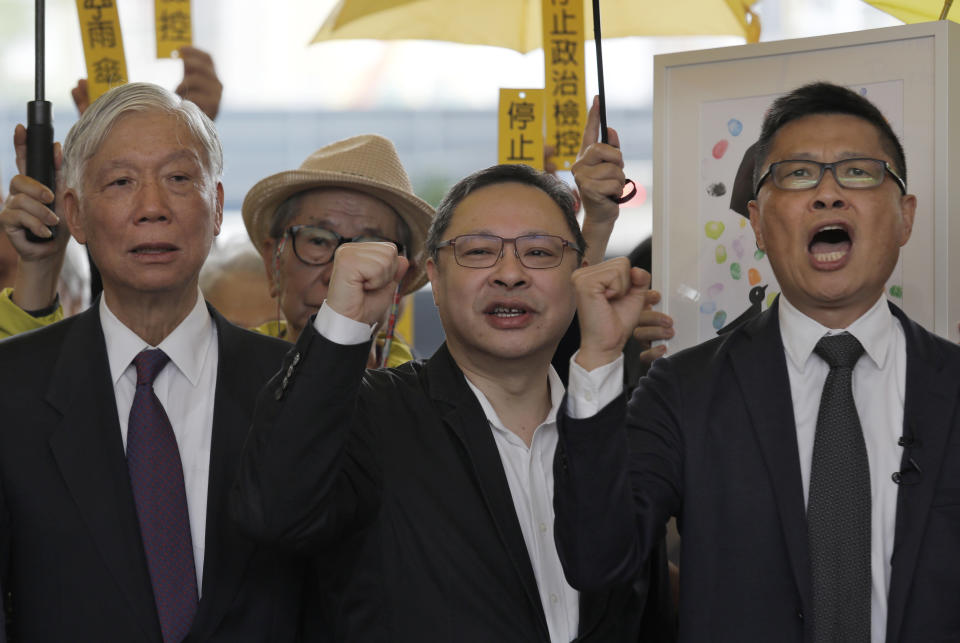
{"points": [[720, 148]]}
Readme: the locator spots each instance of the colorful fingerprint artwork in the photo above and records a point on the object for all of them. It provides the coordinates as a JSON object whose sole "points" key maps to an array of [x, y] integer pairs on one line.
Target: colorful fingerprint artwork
{"points": [[736, 280]]}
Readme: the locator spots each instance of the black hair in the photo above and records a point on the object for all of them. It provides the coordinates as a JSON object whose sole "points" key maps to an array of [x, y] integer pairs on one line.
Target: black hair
{"points": [[825, 98], [553, 187]]}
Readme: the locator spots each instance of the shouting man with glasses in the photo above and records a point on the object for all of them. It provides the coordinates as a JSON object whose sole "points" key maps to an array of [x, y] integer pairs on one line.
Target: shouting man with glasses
{"points": [[351, 190], [429, 488], [812, 455]]}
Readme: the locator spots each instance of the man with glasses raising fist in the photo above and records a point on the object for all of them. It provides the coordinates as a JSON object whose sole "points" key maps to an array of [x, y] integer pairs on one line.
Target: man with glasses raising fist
{"points": [[429, 487], [812, 455]]}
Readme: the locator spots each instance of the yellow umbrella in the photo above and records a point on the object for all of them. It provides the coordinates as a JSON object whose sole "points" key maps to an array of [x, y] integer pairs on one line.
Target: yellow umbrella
{"points": [[516, 24], [911, 11]]}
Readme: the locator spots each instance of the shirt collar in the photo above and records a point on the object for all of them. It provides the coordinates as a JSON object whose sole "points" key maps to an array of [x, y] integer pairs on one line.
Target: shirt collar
{"points": [[556, 397], [186, 346], [874, 330]]}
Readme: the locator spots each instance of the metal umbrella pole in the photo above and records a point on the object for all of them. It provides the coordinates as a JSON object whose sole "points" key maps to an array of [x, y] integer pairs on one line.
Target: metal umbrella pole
{"points": [[603, 103]]}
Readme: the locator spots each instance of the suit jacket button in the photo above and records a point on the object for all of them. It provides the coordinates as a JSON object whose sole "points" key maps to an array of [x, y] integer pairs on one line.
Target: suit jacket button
{"points": [[289, 371], [278, 394], [296, 359], [800, 614], [285, 382]]}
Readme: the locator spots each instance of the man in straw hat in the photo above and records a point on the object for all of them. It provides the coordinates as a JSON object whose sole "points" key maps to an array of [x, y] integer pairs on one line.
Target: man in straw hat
{"points": [[352, 190], [122, 426], [428, 488]]}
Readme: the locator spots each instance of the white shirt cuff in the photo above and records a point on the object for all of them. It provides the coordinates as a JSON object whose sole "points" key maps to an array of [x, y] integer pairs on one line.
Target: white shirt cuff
{"points": [[340, 329], [590, 391]]}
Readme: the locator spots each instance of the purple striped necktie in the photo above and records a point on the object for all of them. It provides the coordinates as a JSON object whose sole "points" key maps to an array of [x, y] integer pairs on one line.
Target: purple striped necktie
{"points": [[156, 476]]}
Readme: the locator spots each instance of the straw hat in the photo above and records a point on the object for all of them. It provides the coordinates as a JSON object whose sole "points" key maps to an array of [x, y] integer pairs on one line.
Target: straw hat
{"points": [[366, 163]]}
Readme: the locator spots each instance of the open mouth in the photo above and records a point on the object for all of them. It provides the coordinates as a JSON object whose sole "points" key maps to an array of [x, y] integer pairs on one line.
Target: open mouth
{"points": [[830, 243], [506, 312]]}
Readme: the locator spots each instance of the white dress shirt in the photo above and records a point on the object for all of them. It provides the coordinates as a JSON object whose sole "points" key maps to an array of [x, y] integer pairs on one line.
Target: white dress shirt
{"points": [[186, 388], [879, 383], [529, 474], [530, 478]]}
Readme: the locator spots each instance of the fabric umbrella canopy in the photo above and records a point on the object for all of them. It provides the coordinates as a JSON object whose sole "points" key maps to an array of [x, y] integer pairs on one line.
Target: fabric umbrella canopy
{"points": [[516, 24], [911, 11]]}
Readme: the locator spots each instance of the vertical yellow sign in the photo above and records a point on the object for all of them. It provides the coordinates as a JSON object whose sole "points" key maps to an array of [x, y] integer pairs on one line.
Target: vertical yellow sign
{"points": [[102, 45], [520, 126], [563, 36], [173, 24]]}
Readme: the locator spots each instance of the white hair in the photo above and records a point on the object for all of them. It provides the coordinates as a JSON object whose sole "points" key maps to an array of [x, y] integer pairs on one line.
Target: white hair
{"points": [[87, 134]]}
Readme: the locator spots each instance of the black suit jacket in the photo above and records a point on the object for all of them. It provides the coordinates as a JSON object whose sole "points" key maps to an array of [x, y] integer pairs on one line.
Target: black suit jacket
{"points": [[710, 438], [395, 477], [70, 550]]}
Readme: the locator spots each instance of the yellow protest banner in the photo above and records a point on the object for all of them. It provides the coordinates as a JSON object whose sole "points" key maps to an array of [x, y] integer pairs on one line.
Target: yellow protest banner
{"points": [[563, 36], [102, 45], [520, 126], [173, 25]]}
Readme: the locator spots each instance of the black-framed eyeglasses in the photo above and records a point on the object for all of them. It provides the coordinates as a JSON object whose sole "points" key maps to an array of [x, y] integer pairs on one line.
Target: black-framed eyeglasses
{"points": [[855, 174], [537, 251], [315, 246]]}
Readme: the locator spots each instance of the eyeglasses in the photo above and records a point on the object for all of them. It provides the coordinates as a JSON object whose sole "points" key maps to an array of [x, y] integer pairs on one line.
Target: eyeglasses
{"points": [[315, 246], [856, 174], [536, 251]]}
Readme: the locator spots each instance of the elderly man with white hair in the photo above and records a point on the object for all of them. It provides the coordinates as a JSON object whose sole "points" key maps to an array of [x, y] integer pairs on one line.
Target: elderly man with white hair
{"points": [[122, 426]]}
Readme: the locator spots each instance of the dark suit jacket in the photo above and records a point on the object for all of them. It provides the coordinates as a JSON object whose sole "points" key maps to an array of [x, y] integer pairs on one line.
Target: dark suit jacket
{"points": [[710, 438], [70, 549], [394, 475]]}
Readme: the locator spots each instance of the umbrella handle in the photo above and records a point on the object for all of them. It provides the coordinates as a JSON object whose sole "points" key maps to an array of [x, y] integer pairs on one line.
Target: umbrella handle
{"points": [[40, 126], [623, 198]]}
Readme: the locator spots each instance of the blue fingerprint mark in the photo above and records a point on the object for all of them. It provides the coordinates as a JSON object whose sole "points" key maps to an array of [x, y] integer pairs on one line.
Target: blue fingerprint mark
{"points": [[734, 127], [719, 319], [863, 91], [708, 307]]}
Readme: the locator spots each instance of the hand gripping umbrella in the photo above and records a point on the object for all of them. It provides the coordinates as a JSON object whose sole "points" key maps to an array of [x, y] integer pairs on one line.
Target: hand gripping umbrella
{"points": [[603, 105], [40, 125]]}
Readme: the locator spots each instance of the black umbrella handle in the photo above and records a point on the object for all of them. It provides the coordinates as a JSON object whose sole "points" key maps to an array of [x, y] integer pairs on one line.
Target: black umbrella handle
{"points": [[40, 127], [604, 137]]}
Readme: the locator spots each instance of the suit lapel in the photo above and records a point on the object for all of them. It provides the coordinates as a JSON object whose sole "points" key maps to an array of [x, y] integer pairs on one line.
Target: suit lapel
{"points": [[225, 553], [88, 449], [760, 367], [932, 390], [464, 416]]}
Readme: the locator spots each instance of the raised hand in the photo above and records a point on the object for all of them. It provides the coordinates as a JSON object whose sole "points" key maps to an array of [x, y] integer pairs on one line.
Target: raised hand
{"points": [[200, 82], [611, 300], [26, 208], [364, 280], [599, 175]]}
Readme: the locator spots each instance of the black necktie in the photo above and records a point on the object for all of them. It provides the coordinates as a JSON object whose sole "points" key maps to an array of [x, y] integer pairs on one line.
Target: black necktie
{"points": [[838, 508], [156, 476]]}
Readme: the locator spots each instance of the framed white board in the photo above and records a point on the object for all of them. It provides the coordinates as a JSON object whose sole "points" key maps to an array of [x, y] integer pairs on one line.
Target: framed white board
{"points": [[708, 107]]}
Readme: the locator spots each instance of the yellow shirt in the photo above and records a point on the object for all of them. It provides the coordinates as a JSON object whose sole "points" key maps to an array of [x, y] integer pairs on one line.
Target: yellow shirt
{"points": [[14, 320], [399, 350]]}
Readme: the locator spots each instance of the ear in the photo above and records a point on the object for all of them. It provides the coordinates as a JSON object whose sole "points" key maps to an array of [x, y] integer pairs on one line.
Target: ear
{"points": [[908, 208], [271, 264], [433, 275], [219, 220], [756, 222], [71, 213]]}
